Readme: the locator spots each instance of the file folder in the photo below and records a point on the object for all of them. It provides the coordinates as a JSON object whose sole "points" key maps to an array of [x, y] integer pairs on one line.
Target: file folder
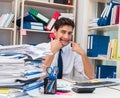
{"points": [[53, 20], [105, 17], [28, 17], [105, 71], [39, 16], [98, 44], [33, 25]]}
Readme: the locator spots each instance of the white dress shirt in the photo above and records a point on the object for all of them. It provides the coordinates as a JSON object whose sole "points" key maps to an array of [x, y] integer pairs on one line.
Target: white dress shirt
{"points": [[70, 60]]}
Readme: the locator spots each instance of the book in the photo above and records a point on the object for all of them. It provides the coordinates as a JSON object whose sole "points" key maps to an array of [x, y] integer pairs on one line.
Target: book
{"points": [[40, 17]]}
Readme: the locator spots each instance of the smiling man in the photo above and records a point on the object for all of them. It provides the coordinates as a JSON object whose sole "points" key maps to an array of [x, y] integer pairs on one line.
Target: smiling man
{"points": [[73, 56]]}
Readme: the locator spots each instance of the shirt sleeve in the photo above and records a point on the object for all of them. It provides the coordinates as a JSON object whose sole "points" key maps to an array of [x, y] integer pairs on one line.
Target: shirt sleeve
{"points": [[79, 67]]}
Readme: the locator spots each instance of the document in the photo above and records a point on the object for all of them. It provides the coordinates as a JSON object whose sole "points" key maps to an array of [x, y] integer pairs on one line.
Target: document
{"points": [[35, 52]]}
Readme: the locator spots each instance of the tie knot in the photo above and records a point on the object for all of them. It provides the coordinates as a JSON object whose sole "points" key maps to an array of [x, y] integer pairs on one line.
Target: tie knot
{"points": [[60, 50]]}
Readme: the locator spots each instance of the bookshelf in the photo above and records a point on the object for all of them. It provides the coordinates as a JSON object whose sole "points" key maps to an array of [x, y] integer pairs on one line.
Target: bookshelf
{"points": [[103, 30], [47, 9], [8, 34]]}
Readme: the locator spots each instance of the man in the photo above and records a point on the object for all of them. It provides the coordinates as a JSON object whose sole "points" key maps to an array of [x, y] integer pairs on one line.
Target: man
{"points": [[73, 56]]}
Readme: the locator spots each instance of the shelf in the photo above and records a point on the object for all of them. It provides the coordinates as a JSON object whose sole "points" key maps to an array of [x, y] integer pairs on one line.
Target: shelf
{"points": [[6, 0], [29, 30], [48, 4], [102, 58], [105, 28], [102, 1], [10, 29]]}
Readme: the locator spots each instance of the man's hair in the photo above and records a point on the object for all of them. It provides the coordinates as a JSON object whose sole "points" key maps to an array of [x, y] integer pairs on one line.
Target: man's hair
{"points": [[62, 22]]}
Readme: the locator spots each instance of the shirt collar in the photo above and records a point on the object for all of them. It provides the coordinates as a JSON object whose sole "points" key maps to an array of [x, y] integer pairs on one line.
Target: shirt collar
{"points": [[65, 47]]}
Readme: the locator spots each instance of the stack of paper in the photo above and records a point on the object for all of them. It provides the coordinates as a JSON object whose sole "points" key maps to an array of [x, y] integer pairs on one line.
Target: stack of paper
{"points": [[20, 72]]}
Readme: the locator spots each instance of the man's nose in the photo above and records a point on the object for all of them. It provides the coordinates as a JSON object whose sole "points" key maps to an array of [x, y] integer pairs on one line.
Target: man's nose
{"points": [[66, 36]]}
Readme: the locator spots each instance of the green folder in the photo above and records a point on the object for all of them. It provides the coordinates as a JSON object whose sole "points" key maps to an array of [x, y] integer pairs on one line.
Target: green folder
{"points": [[38, 16]]}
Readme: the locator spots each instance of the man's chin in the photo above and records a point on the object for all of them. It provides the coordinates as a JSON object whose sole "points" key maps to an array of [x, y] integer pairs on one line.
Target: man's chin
{"points": [[64, 44]]}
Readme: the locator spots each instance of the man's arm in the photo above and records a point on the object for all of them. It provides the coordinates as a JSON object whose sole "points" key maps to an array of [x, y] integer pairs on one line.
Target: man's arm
{"points": [[55, 47], [88, 67]]}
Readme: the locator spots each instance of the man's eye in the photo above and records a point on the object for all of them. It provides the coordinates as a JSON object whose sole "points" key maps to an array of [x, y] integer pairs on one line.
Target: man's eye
{"points": [[70, 33], [63, 32]]}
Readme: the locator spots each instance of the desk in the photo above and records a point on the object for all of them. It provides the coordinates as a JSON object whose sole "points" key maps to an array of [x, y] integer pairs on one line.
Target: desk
{"points": [[103, 92]]}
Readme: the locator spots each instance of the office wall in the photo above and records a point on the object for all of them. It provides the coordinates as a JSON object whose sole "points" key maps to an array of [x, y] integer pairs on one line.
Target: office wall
{"points": [[82, 23], [81, 31]]}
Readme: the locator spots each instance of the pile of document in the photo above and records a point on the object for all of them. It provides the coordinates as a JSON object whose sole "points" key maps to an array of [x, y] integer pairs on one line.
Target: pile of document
{"points": [[20, 68]]}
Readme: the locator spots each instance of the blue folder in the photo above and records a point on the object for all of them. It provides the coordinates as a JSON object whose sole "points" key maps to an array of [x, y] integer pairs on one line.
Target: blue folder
{"points": [[105, 71], [28, 17], [105, 17], [33, 25], [98, 44]]}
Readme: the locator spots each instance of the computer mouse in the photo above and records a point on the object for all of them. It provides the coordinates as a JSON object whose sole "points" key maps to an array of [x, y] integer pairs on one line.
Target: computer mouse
{"points": [[83, 90]]}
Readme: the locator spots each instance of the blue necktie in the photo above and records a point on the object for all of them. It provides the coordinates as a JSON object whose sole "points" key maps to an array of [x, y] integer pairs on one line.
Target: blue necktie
{"points": [[60, 65]]}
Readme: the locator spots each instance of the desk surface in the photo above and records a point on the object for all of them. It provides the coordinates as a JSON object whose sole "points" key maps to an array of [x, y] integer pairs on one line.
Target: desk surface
{"points": [[103, 92]]}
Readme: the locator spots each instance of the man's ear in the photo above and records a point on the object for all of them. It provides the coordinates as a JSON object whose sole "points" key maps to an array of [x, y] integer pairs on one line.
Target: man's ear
{"points": [[55, 32]]}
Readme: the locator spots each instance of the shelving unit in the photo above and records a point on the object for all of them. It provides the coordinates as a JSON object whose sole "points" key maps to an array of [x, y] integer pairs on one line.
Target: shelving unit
{"points": [[8, 35], [47, 9], [103, 30]]}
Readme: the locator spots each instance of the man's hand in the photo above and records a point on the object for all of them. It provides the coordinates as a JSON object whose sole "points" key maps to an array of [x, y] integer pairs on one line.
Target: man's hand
{"points": [[77, 48], [55, 45]]}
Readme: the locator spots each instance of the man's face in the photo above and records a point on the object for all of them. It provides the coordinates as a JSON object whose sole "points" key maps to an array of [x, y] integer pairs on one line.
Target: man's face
{"points": [[64, 34]]}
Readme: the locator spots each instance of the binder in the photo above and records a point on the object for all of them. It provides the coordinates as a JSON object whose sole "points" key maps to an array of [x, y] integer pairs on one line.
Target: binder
{"points": [[39, 16], [61, 1], [28, 17], [53, 20], [98, 44], [33, 25], [105, 71], [105, 17], [117, 15], [9, 19]]}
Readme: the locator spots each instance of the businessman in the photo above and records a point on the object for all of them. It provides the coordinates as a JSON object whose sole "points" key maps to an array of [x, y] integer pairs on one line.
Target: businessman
{"points": [[73, 56]]}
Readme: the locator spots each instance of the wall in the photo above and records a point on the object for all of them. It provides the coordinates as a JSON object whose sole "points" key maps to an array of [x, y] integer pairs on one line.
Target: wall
{"points": [[81, 31]]}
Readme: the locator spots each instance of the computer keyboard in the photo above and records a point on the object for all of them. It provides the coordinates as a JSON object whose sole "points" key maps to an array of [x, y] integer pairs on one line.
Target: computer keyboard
{"points": [[93, 83]]}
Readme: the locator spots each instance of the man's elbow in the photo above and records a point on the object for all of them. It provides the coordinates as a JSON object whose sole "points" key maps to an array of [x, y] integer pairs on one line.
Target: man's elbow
{"points": [[91, 76]]}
